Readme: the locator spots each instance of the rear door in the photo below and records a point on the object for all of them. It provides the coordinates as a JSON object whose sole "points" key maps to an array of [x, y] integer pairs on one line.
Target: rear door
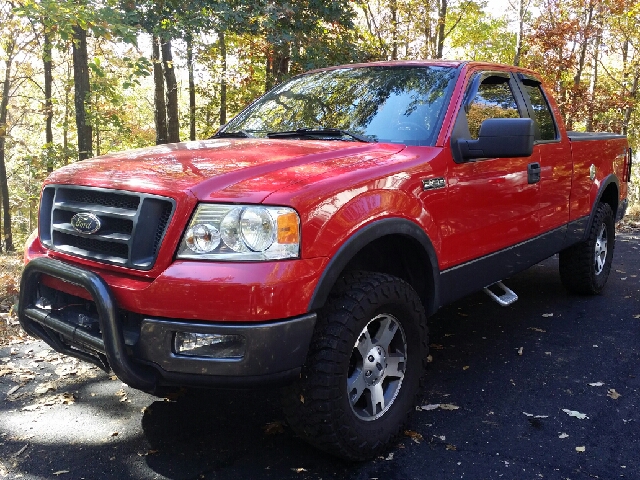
{"points": [[492, 204], [554, 155]]}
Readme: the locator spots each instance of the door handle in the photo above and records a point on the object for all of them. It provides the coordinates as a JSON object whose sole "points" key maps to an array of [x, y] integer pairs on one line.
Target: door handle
{"points": [[533, 172]]}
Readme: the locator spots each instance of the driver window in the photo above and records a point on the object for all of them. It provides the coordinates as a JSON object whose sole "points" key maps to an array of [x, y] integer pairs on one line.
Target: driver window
{"points": [[494, 99]]}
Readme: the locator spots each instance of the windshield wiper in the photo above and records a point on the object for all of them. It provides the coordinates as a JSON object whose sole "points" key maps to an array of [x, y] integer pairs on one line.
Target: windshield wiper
{"points": [[320, 132], [238, 134]]}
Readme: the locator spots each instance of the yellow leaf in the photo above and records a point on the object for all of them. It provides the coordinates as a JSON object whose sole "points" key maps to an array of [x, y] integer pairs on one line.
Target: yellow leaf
{"points": [[273, 428], [415, 436]]}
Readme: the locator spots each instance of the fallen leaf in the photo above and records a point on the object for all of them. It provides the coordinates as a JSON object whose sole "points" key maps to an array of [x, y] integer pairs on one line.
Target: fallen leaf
{"points": [[19, 452], [13, 390], [415, 436], [520, 351], [573, 413], [636, 316], [448, 406], [114, 434], [596, 384], [547, 315], [563, 435], [436, 346], [451, 447], [535, 416], [433, 406], [273, 428], [299, 470], [580, 449], [43, 388], [613, 394], [389, 457], [537, 330], [466, 367], [430, 358]]}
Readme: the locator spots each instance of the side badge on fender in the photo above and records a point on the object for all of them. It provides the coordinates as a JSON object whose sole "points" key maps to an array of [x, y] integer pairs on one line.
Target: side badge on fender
{"points": [[433, 183]]}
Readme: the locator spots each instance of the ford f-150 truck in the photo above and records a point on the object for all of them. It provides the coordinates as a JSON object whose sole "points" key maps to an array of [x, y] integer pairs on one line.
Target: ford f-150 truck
{"points": [[306, 243]]}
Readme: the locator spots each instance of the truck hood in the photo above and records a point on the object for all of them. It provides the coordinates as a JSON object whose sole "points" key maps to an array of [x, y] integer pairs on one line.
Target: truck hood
{"points": [[219, 169]]}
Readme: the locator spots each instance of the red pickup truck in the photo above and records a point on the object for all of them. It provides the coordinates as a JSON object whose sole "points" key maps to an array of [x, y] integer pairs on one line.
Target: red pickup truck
{"points": [[309, 240]]}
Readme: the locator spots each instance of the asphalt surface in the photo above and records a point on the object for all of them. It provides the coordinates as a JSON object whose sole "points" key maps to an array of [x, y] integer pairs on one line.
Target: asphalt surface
{"points": [[521, 377]]}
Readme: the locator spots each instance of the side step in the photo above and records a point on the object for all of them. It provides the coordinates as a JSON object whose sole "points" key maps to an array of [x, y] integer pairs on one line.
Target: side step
{"points": [[507, 297]]}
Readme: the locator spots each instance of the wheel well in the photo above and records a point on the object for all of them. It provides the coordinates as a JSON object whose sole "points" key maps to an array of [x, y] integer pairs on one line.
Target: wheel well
{"points": [[610, 196], [400, 256]]}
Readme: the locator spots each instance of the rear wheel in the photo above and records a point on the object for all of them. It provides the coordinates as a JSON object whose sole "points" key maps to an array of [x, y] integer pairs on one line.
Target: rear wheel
{"points": [[585, 267], [364, 367]]}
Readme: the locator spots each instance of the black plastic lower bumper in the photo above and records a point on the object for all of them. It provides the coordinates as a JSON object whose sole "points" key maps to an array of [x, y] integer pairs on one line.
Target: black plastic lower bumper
{"points": [[275, 351]]}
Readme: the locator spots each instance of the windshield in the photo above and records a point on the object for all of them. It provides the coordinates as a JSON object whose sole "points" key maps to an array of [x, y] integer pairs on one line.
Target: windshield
{"points": [[396, 104]]}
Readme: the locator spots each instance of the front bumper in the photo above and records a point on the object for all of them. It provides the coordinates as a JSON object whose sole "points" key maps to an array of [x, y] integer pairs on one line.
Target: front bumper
{"points": [[145, 359]]}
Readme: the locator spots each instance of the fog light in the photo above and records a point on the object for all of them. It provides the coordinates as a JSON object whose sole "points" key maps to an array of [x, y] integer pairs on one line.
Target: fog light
{"points": [[209, 345]]}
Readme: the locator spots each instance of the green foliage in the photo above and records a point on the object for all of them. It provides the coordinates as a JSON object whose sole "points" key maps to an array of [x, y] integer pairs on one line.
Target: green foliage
{"points": [[267, 42]]}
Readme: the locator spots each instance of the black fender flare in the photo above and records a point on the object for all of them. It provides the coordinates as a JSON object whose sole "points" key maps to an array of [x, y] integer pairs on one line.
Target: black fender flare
{"points": [[363, 237], [608, 180]]}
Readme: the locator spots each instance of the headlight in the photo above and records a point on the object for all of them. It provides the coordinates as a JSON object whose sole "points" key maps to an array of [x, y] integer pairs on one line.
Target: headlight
{"points": [[241, 232]]}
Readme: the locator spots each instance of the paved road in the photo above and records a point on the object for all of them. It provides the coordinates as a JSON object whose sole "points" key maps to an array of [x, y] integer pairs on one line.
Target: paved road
{"points": [[510, 371]]}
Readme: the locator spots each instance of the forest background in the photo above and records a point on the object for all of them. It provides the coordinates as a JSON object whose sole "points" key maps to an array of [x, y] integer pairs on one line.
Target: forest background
{"points": [[81, 78]]}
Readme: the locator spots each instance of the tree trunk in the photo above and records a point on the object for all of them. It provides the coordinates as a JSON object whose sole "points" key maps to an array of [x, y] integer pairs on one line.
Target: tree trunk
{"points": [[48, 105], [82, 89], [277, 65], [427, 30], [4, 186], [593, 83], [520, 35], [442, 19], [583, 46], [160, 106], [65, 122], [393, 5], [632, 96], [173, 124], [581, 60], [223, 79], [192, 89]]}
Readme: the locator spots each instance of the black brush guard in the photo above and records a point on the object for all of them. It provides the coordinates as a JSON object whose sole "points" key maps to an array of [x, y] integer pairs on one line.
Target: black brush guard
{"points": [[107, 351]]}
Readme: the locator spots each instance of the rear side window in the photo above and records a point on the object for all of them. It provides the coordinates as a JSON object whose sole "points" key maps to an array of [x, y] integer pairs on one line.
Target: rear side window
{"points": [[494, 99], [545, 127]]}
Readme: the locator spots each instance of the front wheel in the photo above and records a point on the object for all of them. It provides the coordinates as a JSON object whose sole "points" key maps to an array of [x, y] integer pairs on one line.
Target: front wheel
{"points": [[364, 367], [585, 267]]}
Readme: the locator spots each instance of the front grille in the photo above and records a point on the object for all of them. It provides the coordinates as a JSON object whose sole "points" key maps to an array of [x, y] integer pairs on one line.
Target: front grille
{"points": [[132, 225]]}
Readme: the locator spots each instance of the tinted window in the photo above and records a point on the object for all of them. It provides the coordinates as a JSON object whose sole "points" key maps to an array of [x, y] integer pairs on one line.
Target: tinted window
{"points": [[388, 104], [545, 127], [494, 99]]}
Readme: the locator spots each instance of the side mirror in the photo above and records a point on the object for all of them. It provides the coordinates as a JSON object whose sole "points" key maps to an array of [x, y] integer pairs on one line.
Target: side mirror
{"points": [[498, 138]]}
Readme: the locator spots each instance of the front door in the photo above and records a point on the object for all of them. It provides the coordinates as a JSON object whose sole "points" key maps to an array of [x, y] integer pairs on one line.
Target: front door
{"points": [[492, 203]]}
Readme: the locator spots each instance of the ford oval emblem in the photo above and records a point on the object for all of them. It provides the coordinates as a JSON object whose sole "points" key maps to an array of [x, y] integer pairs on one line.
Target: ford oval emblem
{"points": [[85, 223]]}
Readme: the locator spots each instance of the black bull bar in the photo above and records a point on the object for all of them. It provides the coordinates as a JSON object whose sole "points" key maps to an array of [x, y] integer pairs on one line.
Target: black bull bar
{"points": [[107, 351]]}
